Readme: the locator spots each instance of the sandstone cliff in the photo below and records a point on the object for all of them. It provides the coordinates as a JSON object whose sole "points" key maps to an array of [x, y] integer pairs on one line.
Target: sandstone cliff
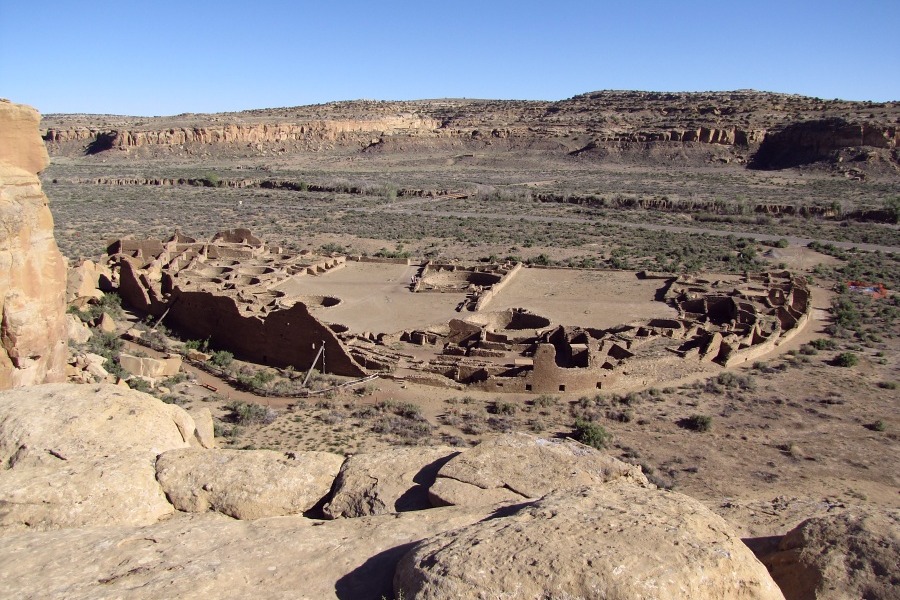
{"points": [[610, 126], [32, 270]]}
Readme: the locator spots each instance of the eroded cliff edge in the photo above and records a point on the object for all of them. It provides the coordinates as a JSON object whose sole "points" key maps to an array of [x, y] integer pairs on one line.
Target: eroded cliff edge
{"points": [[32, 269]]}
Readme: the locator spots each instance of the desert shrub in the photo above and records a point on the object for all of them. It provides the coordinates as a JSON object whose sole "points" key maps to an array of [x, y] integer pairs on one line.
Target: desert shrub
{"points": [[808, 350], [879, 425], [249, 413], [115, 369], [139, 384], [211, 180], [501, 407], [500, 424], [734, 380], [256, 380], [201, 345], [700, 423], [622, 416], [887, 385], [107, 345], [846, 359], [222, 358], [823, 344], [846, 314], [545, 401], [782, 243], [333, 248], [407, 430], [591, 434], [156, 339]]}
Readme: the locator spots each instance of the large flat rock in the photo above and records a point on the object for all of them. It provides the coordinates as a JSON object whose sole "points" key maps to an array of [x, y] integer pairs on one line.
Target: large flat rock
{"points": [[616, 541], [212, 556], [116, 490], [52, 422], [519, 466], [246, 484], [392, 480]]}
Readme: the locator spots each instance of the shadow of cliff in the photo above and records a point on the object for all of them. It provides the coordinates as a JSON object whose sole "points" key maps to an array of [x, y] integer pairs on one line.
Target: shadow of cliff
{"points": [[803, 143], [102, 143]]}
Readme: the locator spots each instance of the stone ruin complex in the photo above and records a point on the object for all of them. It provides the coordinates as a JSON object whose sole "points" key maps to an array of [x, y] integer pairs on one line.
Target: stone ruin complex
{"points": [[230, 290]]}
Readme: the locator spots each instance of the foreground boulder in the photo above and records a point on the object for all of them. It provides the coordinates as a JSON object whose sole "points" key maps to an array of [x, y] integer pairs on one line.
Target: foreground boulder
{"points": [[54, 422], [517, 466], [849, 555], [33, 327], [247, 484], [75, 455], [392, 480], [117, 490], [212, 556], [616, 542]]}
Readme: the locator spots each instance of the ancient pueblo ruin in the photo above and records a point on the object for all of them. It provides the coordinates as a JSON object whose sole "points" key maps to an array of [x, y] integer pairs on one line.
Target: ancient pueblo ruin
{"points": [[283, 310]]}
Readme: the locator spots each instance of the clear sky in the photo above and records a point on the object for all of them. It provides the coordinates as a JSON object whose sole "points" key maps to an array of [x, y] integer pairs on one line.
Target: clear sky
{"points": [[165, 57]]}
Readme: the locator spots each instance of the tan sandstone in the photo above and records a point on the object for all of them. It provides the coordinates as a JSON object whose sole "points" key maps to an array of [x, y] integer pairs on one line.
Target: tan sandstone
{"points": [[247, 484], [212, 556], [617, 542], [120, 489], [32, 270], [85, 421], [145, 366], [392, 480], [516, 466], [853, 554]]}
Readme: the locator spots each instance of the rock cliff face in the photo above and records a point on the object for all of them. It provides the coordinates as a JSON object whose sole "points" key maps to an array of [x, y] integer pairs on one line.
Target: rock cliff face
{"points": [[610, 126], [32, 270]]}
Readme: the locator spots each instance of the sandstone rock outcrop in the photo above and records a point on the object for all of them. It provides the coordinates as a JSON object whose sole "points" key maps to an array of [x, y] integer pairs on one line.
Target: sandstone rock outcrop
{"points": [[246, 484], [74, 492], [616, 542], [212, 556], [204, 428], [32, 270], [694, 128], [393, 480], [83, 281], [145, 366], [77, 330], [41, 423], [854, 554], [517, 466], [84, 455]]}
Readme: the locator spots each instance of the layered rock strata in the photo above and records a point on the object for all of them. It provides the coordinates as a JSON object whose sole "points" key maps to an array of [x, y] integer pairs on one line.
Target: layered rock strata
{"points": [[32, 269]]}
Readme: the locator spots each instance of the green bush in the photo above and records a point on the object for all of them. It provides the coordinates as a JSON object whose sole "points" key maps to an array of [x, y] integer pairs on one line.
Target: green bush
{"points": [[248, 413], [501, 407], [823, 344], [221, 358], [591, 434], [700, 423], [846, 359], [139, 384]]}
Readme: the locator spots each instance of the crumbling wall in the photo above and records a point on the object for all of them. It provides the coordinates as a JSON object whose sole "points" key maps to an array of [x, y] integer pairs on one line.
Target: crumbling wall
{"points": [[289, 337]]}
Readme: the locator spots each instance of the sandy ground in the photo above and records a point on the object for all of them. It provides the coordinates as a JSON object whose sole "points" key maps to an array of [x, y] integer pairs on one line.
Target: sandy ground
{"points": [[375, 297], [599, 299]]}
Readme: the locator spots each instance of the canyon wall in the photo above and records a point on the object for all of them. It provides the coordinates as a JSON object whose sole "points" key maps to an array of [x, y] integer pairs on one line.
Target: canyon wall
{"points": [[32, 270]]}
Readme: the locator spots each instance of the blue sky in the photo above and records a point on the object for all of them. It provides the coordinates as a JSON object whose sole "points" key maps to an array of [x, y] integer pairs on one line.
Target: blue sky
{"points": [[165, 57]]}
